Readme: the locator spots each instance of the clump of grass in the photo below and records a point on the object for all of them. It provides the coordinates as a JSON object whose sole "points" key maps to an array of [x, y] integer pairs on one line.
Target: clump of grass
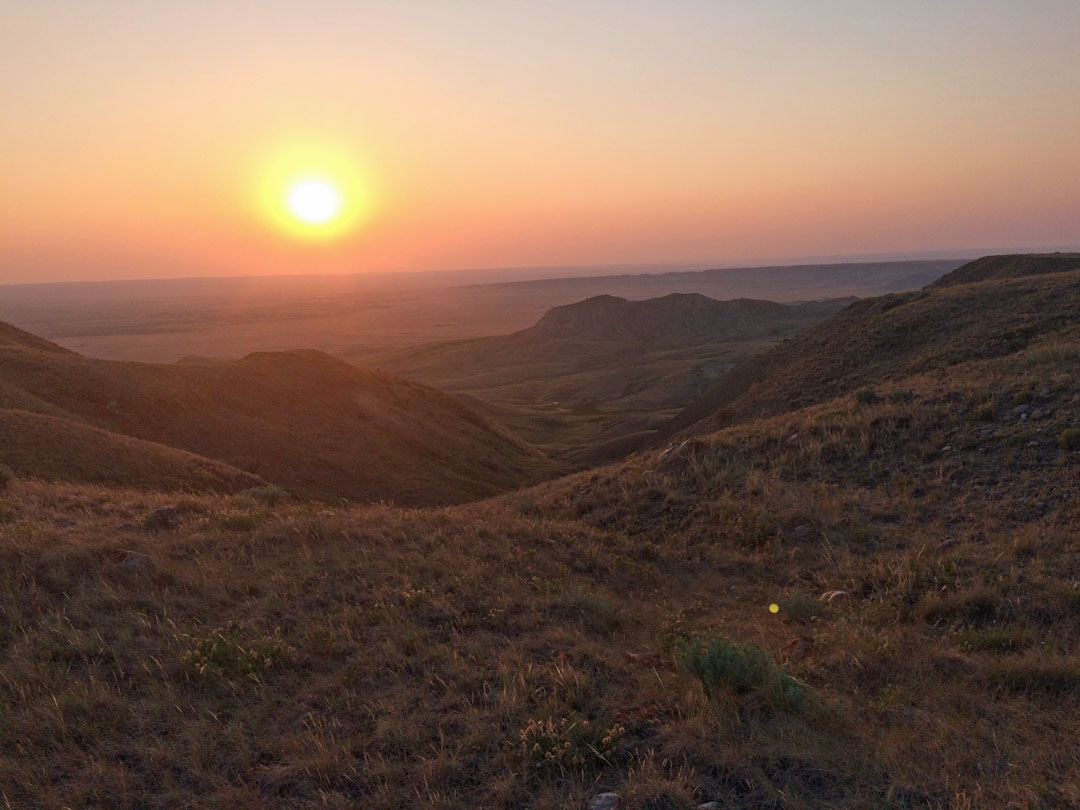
{"points": [[224, 653], [800, 606], [1035, 673], [867, 396], [570, 745], [6, 476], [270, 494], [237, 521], [994, 639], [1023, 397], [976, 607], [1070, 439], [596, 614], [902, 396], [729, 669]]}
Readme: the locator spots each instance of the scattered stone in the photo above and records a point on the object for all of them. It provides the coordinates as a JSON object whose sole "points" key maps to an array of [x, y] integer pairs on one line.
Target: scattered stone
{"points": [[604, 801], [1045, 392], [946, 544], [135, 561], [1021, 409], [1023, 416], [709, 806], [946, 448], [828, 596], [165, 518], [1032, 444], [66, 524], [802, 531]]}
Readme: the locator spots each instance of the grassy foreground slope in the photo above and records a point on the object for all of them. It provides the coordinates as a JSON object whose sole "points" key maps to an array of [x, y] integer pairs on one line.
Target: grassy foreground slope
{"points": [[299, 419], [606, 631]]}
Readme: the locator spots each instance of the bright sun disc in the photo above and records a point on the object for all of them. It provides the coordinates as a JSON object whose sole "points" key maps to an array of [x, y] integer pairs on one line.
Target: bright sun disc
{"points": [[314, 201]]}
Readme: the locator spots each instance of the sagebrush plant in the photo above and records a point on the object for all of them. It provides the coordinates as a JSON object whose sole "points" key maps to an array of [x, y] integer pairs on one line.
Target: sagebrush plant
{"points": [[728, 668]]}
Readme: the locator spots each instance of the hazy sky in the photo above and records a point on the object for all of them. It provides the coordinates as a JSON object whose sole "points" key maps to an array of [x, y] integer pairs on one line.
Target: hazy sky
{"points": [[139, 139]]}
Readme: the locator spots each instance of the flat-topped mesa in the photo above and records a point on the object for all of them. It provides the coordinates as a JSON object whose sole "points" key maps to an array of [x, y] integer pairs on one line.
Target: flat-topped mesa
{"points": [[682, 316]]}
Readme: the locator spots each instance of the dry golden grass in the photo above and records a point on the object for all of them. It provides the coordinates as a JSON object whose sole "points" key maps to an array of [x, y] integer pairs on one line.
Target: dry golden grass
{"points": [[532, 650]]}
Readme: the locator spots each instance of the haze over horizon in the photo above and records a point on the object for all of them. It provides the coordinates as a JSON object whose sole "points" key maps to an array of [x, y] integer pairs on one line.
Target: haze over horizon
{"points": [[157, 141]]}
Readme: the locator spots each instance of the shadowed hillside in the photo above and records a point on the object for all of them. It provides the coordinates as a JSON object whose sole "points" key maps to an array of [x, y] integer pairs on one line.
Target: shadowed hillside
{"points": [[302, 419], [57, 449]]}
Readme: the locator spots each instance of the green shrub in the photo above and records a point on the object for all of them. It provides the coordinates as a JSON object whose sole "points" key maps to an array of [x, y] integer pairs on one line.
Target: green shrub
{"points": [[866, 396], [6, 476], [902, 396], [1022, 397], [727, 668], [1070, 438]]}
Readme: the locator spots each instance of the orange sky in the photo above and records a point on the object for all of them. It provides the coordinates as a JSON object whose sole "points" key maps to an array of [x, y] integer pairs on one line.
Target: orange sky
{"points": [[137, 138]]}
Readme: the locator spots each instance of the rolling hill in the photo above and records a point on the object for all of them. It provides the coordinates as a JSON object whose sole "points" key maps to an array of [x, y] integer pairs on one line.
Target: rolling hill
{"points": [[993, 268], [885, 338], [303, 420]]}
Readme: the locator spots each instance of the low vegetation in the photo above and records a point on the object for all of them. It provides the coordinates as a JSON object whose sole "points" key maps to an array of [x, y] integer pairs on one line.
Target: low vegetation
{"points": [[607, 631]]}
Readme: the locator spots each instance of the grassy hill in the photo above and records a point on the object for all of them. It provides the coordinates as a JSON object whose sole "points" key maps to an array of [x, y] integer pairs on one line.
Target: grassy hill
{"points": [[56, 449], [991, 268], [882, 339], [301, 419], [591, 379], [606, 631]]}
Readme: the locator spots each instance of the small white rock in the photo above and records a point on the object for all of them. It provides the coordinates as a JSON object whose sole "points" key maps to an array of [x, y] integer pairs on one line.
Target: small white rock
{"points": [[604, 801]]}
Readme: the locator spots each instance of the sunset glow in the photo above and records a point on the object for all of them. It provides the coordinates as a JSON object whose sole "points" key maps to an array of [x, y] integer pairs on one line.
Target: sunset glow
{"points": [[494, 135]]}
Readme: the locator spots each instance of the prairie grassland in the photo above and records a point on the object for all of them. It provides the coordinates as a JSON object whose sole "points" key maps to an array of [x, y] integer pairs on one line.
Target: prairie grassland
{"points": [[606, 631]]}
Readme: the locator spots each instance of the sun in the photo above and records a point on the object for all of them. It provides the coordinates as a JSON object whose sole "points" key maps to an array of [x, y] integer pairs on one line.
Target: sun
{"points": [[313, 192], [314, 202]]}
